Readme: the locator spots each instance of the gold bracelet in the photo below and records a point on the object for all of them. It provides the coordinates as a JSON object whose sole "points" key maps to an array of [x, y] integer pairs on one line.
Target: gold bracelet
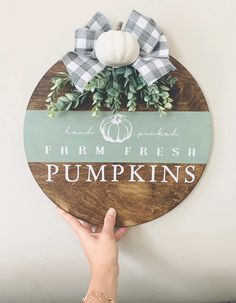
{"points": [[96, 294]]}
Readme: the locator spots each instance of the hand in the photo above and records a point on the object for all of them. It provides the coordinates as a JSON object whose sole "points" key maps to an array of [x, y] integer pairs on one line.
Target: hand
{"points": [[100, 247]]}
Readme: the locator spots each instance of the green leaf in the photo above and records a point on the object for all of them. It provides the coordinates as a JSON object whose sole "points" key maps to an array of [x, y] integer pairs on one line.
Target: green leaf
{"points": [[76, 104], [128, 72], [101, 84], [116, 85], [70, 96], [93, 88], [132, 109], [108, 88], [64, 99], [87, 87], [165, 95], [50, 95], [132, 89], [83, 99], [95, 111], [98, 96], [130, 95], [168, 106], [112, 92], [164, 87], [59, 83], [147, 98], [68, 106], [107, 72], [126, 82], [60, 106], [54, 79], [51, 115], [53, 87], [120, 70], [130, 103], [90, 87], [62, 73], [140, 86], [132, 80]]}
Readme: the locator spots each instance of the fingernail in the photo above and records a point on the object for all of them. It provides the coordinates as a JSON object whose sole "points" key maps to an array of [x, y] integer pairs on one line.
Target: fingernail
{"points": [[112, 211]]}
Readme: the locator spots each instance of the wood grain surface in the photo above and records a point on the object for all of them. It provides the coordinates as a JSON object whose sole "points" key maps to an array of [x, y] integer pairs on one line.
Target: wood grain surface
{"points": [[135, 203]]}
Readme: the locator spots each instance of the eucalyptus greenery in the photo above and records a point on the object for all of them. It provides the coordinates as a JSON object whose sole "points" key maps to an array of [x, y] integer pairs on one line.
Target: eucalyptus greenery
{"points": [[108, 89]]}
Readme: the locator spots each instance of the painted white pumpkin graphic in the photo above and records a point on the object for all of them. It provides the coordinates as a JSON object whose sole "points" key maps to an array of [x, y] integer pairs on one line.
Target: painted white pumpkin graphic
{"points": [[116, 129], [116, 48]]}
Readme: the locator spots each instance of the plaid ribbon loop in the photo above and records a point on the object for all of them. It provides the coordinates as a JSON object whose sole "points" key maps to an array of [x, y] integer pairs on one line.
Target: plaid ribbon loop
{"points": [[153, 62]]}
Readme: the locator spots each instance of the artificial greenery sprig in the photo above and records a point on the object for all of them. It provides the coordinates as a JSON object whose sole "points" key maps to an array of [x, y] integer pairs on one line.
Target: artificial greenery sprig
{"points": [[108, 89]]}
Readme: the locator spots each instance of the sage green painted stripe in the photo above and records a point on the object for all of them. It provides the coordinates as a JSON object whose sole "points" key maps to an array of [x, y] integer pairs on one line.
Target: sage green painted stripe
{"points": [[79, 131]]}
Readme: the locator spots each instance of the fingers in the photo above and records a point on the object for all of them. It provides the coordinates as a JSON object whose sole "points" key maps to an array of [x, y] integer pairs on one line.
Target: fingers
{"points": [[109, 222], [74, 223], [82, 228], [86, 225], [99, 228], [120, 233]]}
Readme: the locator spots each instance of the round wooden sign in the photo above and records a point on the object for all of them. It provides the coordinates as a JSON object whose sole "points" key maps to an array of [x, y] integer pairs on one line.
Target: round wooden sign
{"points": [[141, 164]]}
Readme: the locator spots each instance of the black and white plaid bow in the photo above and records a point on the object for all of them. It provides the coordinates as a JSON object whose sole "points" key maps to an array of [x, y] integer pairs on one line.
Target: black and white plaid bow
{"points": [[153, 62]]}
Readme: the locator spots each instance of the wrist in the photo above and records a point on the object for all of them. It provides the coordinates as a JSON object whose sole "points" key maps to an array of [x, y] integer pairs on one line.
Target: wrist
{"points": [[108, 270], [105, 280]]}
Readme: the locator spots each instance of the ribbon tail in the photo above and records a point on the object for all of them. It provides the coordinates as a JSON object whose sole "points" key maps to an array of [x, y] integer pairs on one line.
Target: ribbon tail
{"points": [[99, 22], [153, 62], [144, 29], [152, 69], [81, 69], [82, 64]]}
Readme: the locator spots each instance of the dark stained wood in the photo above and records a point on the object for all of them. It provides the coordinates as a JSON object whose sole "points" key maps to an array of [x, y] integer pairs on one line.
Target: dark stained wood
{"points": [[135, 203]]}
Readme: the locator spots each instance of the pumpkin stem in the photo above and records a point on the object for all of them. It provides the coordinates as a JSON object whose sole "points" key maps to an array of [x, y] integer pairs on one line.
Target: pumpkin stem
{"points": [[119, 26]]}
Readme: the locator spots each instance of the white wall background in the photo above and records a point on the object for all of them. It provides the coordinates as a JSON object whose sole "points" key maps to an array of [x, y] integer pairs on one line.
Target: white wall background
{"points": [[185, 256]]}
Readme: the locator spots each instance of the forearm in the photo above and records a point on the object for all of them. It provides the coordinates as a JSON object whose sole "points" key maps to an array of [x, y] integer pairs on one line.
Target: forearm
{"points": [[105, 282]]}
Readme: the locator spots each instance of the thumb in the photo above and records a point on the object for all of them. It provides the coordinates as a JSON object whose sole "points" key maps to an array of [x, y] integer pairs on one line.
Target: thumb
{"points": [[109, 222]]}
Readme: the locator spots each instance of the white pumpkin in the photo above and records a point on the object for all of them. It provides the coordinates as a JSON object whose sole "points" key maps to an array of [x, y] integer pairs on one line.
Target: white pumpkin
{"points": [[116, 129], [116, 48]]}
